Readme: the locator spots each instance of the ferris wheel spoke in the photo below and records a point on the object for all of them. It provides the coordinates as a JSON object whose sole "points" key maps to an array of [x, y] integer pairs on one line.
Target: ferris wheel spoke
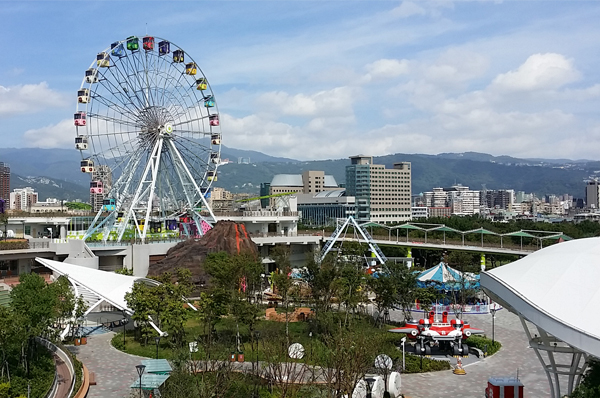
{"points": [[125, 84], [114, 106], [111, 119], [118, 92]]}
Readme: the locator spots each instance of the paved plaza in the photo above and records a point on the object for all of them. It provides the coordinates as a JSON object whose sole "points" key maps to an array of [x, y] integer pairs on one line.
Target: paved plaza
{"points": [[115, 370], [514, 356]]}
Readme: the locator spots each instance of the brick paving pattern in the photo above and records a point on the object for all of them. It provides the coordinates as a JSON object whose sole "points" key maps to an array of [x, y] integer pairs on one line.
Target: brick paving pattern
{"points": [[115, 371], [514, 355]]}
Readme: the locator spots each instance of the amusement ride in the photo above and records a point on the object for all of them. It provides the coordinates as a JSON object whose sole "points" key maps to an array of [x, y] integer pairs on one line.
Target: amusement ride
{"points": [[149, 134]]}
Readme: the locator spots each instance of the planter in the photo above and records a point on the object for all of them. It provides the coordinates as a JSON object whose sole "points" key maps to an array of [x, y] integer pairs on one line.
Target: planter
{"points": [[241, 357], [77, 342], [232, 357], [84, 340]]}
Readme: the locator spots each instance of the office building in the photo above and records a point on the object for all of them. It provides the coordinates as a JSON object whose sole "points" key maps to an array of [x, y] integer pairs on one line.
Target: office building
{"points": [[5, 184], [592, 194], [323, 208], [381, 195]]}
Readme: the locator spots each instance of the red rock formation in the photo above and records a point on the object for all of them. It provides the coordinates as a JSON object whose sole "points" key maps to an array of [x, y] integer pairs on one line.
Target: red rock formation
{"points": [[225, 236]]}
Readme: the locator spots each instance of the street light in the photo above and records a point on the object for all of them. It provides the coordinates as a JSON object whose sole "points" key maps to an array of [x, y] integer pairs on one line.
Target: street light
{"points": [[493, 311], [157, 341], [140, 370], [124, 321], [257, 371], [403, 359]]}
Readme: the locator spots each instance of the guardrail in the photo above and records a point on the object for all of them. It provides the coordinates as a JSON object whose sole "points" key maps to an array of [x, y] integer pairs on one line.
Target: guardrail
{"points": [[467, 309], [66, 359]]}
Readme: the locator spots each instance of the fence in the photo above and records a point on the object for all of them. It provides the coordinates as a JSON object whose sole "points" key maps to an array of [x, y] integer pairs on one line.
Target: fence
{"points": [[67, 360], [466, 309]]}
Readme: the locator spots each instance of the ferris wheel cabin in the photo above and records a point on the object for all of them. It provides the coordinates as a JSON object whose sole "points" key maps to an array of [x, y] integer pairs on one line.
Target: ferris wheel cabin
{"points": [[211, 176], [117, 49], [102, 60], [83, 96], [81, 143], [190, 68], [215, 138], [133, 43], [201, 84], [96, 187], [80, 118], [148, 43], [214, 158], [209, 101], [91, 75], [213, 120], [164, 47], [109, 205], [87, 166], [178, 56]]}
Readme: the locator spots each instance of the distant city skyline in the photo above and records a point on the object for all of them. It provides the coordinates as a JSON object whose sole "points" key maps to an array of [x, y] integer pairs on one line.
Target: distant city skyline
{"points": [[321, 80]]}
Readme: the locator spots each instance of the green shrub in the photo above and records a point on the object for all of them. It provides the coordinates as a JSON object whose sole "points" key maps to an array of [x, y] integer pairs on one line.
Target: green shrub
{"points": [[413, 364], [480, 342], [14, 244]]}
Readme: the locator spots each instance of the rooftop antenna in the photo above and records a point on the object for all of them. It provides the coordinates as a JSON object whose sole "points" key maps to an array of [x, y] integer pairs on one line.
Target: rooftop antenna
{"points": [[146, 29]]}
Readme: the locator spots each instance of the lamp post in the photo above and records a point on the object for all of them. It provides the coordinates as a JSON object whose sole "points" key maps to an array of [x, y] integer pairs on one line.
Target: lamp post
{"points": [[257, 336], [157, 341], [403, 359], [140, 370], [124, 321], [493, 311]]}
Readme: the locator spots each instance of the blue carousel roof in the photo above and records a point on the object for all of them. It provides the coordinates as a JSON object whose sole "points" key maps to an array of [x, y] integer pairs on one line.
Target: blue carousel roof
{"points": [[442, 277]]}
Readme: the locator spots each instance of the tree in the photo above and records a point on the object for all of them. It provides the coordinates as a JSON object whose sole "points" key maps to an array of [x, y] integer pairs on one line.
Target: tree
{"points": [[462, 290]]}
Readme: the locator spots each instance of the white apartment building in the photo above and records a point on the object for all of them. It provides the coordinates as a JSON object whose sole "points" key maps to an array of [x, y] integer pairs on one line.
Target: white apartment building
{"points": [[23, 199]]}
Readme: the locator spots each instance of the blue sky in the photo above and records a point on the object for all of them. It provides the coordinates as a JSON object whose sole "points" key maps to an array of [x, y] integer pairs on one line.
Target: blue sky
{"points": [[330, 79]]}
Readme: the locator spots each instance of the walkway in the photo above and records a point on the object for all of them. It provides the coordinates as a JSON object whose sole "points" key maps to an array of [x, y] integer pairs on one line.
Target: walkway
{"points": [[64, 379], [514, 357], [114, 370]]}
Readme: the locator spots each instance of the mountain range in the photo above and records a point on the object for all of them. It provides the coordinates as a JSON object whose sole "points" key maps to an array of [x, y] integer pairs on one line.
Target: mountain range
{"points": [[55, 172]]}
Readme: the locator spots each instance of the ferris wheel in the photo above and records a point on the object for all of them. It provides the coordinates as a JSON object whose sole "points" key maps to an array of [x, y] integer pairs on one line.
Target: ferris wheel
{"points": [[149, 134]]}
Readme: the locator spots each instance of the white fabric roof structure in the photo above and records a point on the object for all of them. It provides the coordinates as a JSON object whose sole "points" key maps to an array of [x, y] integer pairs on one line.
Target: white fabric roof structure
{"points": [[96, 285], [556, 288]]}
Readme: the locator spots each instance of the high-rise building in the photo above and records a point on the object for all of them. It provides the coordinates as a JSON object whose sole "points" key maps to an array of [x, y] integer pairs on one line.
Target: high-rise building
{"points": [[102, 173], [23, 199], [592, 194], [381, 195], [5, 184]]}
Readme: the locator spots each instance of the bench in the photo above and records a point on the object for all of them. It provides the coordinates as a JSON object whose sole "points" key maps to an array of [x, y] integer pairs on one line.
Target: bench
{"points": [[92, 378]]}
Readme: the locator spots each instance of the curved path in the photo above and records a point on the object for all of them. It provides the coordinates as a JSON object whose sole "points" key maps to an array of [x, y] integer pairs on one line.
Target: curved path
{"points": [[64, 380], [514, 355], [114, 370]]}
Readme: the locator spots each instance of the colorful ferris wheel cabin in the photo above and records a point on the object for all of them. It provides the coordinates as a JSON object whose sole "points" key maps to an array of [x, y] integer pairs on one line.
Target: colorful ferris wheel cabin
{"points": [[81, 142], [117, 49], [148, 43], [96, 187], [214, 158], [213, 120], [87, 165], [109, 205], [211, 176], [133, 43], [102, 60], [209, 101], [178, 56], [201, 84], [190, 68], [215, 138], [164, 47], [83, 95], [80, 118], [91, 75]]}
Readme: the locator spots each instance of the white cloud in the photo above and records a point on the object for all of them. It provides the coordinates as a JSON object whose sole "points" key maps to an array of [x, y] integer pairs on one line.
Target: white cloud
{"points": [[60, 135], [407, 9], [22, 99], [334, 102], [455, 66], [386, 69], [539, 72]]}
